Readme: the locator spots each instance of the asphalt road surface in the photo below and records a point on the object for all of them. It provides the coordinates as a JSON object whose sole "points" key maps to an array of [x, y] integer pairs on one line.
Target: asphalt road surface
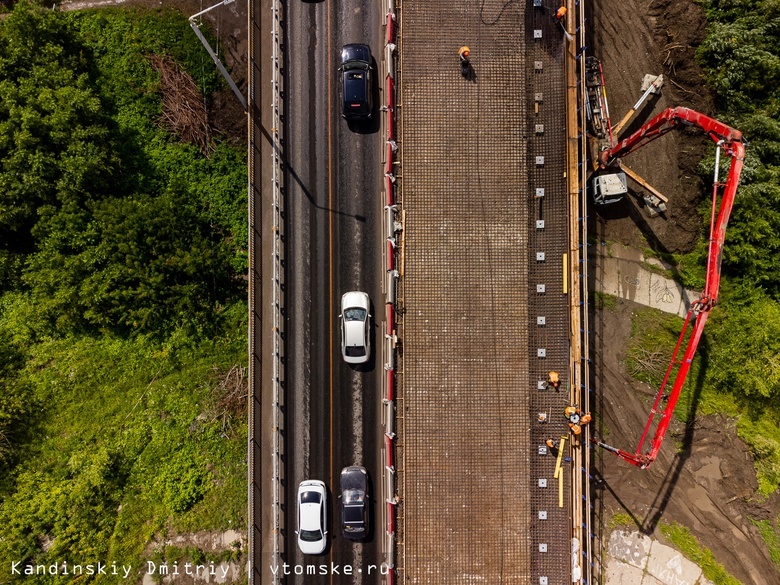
{"points": [[333, 244]]}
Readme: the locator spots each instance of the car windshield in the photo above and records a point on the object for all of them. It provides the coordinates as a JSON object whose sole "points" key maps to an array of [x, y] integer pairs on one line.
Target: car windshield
{"points": [[311, 535], [310, 498], [352, 497], [355, 314]]}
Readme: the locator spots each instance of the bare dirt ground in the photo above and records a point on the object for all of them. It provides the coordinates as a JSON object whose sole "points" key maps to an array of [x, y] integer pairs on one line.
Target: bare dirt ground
{"points": [[633, 38], [704, 477]]}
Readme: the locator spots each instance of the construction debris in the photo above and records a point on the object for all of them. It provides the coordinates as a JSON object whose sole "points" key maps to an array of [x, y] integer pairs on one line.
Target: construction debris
{"points": [[184, 110]]}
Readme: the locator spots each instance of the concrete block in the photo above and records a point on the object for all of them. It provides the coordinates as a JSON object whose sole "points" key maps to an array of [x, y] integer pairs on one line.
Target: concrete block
{"points": [[630, 547], [669, 566], [619, 573], [648, 579]]}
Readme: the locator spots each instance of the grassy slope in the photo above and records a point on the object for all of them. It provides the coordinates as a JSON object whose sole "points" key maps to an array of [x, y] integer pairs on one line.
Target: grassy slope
{"points": [[133, 437]]}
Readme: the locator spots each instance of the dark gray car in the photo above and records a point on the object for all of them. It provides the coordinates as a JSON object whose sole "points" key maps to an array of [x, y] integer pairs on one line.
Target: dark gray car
{"points": [[354, 502], [356, 94]]}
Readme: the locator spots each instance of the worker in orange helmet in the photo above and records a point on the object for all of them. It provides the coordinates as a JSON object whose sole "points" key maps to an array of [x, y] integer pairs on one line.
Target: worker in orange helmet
{"points": [[553, 445], [554, 380], [575, 429], [465, 65], [585, 418], [560, 15]]}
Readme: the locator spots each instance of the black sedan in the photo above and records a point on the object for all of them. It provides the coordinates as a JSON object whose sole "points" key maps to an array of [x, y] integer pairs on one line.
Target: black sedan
{"points": [[354, 502], [355, 68]]}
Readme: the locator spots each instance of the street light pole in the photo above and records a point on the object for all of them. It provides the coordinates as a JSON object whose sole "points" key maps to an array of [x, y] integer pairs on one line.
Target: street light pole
{"points": [[211, 52]]}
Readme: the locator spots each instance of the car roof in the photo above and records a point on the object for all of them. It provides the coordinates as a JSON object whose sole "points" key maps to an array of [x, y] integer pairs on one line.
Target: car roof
{"points": [[310, 514], [354, 334], [355, 86]]}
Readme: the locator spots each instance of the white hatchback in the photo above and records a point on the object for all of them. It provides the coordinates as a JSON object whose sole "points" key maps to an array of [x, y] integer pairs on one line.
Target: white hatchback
{"points": [[312, 512], [355, 327]]}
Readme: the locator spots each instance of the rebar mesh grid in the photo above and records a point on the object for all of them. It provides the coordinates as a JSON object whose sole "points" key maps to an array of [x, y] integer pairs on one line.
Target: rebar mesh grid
{"points": [[470, 466], [548, 307]]}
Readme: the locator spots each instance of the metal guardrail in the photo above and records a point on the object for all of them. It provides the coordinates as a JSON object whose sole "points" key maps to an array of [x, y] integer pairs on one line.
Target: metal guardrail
{"points": [[391, 228], [276, 297]]}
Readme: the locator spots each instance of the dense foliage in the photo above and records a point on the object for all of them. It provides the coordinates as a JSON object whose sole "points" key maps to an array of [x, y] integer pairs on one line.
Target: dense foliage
{"points": [[106, 223], [122, 297], [741, 58]]}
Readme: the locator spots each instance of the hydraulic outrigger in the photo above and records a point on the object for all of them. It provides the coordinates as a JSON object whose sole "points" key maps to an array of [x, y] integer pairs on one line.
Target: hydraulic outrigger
{"points": [[731, 143]]}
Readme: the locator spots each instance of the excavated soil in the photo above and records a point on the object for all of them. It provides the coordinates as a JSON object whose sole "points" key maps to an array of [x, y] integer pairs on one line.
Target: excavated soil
{"points": [[633, 38], [704, 477]]}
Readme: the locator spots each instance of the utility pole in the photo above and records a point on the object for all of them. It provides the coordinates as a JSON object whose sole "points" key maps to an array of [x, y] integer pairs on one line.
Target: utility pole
{"points": [[214, 57]]}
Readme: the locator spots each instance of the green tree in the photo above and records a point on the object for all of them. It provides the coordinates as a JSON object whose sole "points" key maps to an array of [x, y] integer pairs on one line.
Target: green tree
{"points": [[752, 244], [16, 401], [54, 138], [148, 264], [745, 352]]}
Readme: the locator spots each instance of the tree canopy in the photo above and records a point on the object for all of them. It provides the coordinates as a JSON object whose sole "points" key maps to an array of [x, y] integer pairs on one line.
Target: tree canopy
{"points": [[741, 59], [104, 221]]}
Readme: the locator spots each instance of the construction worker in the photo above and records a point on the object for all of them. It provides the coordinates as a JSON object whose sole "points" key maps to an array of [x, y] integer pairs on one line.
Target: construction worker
{"points": [[552, 445], [465, 65], [560, 15], [553, 380], [576, 418]]}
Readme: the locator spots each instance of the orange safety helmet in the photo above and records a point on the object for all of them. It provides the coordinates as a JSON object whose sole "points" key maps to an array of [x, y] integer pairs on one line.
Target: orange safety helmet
{"points": [[576, 429], [585, 418], [569, 410], [561, 14]]}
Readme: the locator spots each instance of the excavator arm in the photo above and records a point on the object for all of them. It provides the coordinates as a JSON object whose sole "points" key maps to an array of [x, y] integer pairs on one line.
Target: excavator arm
{"points": [[729, 141]]}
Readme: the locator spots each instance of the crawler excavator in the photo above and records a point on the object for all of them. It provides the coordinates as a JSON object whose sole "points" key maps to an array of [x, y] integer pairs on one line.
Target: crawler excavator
{"points": [[730, 142]]}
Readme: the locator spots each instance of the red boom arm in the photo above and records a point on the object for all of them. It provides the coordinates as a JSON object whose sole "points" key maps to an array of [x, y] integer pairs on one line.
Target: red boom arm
{"points": [[730, 141]]}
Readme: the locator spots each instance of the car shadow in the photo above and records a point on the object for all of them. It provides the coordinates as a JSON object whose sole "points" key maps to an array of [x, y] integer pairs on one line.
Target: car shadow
{"points": [[372, 503]]}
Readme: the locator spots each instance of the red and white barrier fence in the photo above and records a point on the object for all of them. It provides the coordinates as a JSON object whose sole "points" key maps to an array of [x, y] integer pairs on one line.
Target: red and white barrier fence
{"points": [[391, 228]]}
